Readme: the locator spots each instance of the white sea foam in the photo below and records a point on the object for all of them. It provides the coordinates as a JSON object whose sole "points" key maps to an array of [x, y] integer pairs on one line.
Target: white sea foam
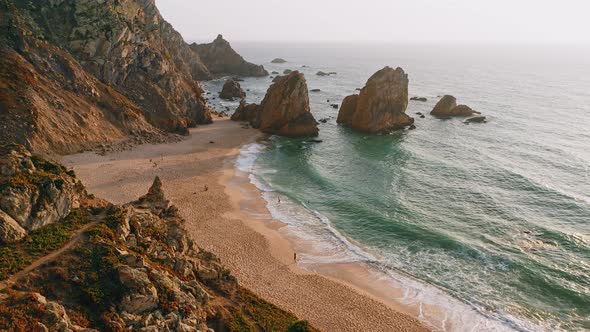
{"points": [[328, 245]]}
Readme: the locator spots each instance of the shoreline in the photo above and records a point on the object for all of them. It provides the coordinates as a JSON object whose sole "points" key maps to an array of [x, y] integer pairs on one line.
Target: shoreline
{"points": [[230, 218]]}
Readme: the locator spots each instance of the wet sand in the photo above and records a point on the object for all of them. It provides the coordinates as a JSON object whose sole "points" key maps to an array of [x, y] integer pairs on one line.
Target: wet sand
{"points": [[226, 215]]}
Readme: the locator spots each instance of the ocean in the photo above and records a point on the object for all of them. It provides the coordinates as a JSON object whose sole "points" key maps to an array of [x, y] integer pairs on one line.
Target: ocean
{"points": [[490, 222]]}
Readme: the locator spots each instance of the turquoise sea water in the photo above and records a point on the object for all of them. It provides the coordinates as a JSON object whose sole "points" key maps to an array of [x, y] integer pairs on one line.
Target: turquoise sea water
{"points": [[495, 215]]}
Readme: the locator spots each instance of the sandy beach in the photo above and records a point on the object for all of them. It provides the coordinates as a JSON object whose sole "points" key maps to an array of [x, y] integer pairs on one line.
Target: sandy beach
{"points": [[226, 215]]}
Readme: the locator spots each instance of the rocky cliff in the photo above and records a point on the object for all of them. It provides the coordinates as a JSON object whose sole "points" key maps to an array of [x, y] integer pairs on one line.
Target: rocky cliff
{"points": [[284, 110], [48, 102], [127, 45], [221, 59], [134, 268], [381, 104], [76, 73]]}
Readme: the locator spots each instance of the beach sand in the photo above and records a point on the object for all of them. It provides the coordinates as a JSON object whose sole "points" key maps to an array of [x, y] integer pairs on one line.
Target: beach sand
{"points": [[226, 215]]}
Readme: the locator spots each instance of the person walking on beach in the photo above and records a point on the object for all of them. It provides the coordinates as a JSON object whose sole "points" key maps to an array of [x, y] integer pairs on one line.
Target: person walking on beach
{"points": [[295, 256], [279, 198]]}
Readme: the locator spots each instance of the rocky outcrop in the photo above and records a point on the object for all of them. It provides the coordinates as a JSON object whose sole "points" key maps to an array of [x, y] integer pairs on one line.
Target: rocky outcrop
{"points": [[419, 99], [381, 104], [447, 107], [284, 110], [245, 112], [221, 59], [231, 89], [138, 271], [444, 106], [278, 60], [33, 193], [463, 110]]}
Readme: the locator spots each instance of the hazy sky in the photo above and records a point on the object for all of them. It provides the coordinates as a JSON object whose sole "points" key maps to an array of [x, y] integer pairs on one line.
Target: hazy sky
{"points": [[382, 20]]}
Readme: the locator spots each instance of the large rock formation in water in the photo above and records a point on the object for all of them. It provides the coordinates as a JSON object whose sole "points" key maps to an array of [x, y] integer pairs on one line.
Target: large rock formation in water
{"points": [[221, 59], [284, 110], [231, 89], [447, 107], [381, 104]]}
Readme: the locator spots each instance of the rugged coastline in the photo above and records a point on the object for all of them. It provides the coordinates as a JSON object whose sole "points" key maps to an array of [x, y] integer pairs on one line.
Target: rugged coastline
{"points": [[218, 220]]}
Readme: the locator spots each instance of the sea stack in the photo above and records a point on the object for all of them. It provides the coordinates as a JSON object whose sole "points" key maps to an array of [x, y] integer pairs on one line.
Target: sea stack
{"points": [[284, 110], [380, 107], [221, 59], [231, 89], [447, 107]]}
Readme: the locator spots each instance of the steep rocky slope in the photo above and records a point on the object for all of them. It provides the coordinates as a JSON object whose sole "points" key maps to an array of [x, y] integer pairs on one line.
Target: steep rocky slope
{"points": [[221, 59], [77, 73], [48, 102], [134, 269], [127, 45]]}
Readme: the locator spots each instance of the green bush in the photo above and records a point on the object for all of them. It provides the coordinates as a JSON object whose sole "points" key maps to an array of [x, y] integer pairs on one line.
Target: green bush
{"points": [[12, 260]]}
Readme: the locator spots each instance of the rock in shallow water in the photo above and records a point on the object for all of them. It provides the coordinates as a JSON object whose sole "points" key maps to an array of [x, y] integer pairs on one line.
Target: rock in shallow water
{"points": [[284, 110], [231, 89], [476, 119], [381, 105], [447, 107]]}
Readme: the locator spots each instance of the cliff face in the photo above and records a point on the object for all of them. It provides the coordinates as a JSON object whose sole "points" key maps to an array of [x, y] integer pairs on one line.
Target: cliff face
{"points": [[127, 44], [48, 102], [221, 59]]}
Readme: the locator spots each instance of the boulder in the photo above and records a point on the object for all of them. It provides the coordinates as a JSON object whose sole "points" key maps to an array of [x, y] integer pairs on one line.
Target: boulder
{"points": [[10, 230], [231, 89], [287, 71], [315, 90], [444, 106], [276, 79], [245, 112], [462, 110], [321, 73], [419, 99], [278, 60], [447, 107], [275, 72], [284, 110], [143, 295], [380, 107], [476, 119]]}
